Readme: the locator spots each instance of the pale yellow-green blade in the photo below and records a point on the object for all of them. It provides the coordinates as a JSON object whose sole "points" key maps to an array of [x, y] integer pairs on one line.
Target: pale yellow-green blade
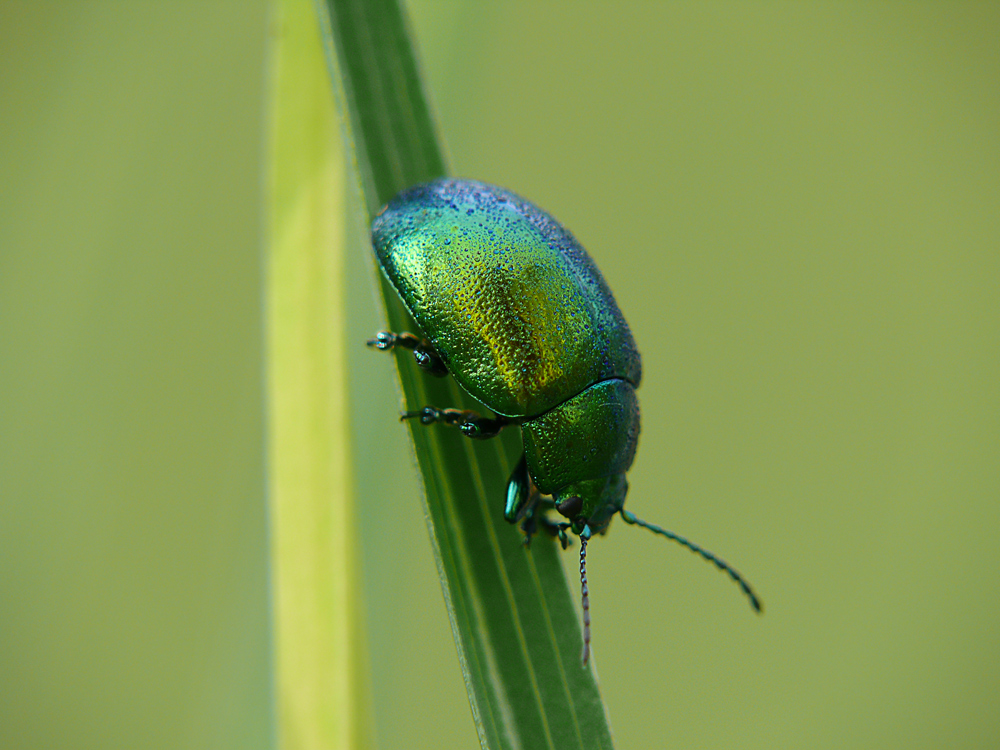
{"points": [[320, 678]]}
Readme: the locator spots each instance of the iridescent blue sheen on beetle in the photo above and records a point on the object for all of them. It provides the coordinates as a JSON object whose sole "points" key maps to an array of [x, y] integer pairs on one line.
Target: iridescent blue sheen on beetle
{"points": [[511, 305]]}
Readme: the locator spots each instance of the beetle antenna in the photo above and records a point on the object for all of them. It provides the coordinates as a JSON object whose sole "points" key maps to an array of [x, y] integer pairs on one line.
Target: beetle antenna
{"points": [[719, 563], [585, 592]]}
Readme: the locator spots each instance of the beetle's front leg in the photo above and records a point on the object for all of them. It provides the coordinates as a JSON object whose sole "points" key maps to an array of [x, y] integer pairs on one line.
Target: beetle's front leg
{"points": [[469, 422], [557, 529], [423, 350]]}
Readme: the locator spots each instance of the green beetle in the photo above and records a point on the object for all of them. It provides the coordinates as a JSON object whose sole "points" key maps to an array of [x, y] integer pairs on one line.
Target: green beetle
{"points": [[513, 308]]}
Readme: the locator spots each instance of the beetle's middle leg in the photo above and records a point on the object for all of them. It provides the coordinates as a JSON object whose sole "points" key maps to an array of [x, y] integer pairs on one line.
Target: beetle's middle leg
{"points": [[469, 422], [423, 350]]}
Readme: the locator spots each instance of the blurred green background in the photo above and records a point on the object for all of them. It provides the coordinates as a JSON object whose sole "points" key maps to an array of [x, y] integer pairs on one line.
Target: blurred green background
{"points": [[797, 208]]}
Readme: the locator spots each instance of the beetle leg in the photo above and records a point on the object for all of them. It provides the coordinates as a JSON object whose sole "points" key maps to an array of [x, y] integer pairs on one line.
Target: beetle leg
{"points": [[533, 519], [423, 350], [482, 428], [563, 538], [529, 526], [561, 533], [521, 494], [557, 530], [431, 414], [469, 422]]}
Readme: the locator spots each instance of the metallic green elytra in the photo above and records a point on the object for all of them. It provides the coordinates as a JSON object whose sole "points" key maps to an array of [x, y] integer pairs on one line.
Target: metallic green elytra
{"points": [[512, 307]]}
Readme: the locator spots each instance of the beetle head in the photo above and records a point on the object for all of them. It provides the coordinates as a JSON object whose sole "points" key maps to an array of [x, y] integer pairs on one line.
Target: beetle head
{"points": [[592, 502]]}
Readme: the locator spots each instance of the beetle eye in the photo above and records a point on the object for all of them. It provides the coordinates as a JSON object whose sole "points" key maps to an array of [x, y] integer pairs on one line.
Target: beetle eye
{"points": [[570, 507]]}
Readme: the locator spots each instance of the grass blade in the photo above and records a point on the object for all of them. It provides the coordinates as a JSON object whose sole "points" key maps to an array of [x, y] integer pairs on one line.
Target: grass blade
{"points": [[320, 680], [512, 611]]}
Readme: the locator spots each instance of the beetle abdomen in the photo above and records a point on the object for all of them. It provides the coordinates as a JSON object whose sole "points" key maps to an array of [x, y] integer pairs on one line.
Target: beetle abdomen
{"points": [[591, 436], [511, 301]]}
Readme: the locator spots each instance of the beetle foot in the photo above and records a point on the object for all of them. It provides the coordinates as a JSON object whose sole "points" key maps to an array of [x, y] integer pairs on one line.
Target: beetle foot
{"points": [[431, 414], [529, 526], [558, 529], [563, 539], [426, 356], [469, 422], [387, 340]]}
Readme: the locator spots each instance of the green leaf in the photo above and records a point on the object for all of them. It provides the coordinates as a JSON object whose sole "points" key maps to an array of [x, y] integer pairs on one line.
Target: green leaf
{"points": [[512, 610]]}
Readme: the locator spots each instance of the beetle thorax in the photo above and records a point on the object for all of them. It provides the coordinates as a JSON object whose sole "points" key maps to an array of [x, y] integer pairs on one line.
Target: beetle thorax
{"points": [[589, 437]]}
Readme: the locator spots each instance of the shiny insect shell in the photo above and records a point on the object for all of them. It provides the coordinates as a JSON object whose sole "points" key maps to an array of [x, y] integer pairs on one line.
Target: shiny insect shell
{"points": [[513, 307]]}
